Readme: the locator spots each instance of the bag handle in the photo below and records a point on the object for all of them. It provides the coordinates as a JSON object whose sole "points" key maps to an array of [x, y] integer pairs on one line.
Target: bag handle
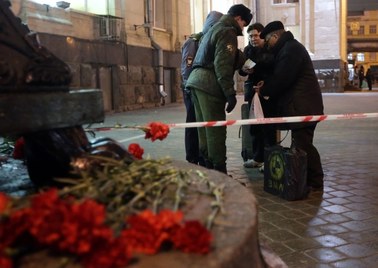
{"points": [[287, 133]]}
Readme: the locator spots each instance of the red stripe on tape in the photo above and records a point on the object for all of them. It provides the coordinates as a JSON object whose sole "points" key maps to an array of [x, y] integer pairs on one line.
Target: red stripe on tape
{"points": [[210, 124], [230, 122]]}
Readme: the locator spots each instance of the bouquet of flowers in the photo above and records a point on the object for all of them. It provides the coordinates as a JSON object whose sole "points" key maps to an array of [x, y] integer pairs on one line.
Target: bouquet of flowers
{"points": [[110, 214]]}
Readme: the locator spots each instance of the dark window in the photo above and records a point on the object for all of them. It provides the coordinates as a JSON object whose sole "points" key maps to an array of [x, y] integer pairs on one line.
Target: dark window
{"points": [[373, 29], [361, 31], [349, 30]]}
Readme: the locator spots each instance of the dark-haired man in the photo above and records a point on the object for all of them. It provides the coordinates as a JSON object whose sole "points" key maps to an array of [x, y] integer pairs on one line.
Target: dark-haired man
{"points": [[262, 135]]}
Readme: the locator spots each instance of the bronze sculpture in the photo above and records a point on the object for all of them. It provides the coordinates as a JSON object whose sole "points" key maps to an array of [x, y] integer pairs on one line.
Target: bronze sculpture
{"points": [[37, 103]]}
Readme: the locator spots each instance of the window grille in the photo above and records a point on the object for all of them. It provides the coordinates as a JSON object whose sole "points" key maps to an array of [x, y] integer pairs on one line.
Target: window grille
{"points": [[361, 31], [109, 27], [373, 29]]}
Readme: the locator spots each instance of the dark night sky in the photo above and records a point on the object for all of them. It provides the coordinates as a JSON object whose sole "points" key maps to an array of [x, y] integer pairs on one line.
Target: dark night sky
{"points": [[358, 5]]}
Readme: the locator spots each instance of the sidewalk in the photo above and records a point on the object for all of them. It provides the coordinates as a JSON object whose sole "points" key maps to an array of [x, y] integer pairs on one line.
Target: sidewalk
{"points": [[364, 89], [337, 228]]}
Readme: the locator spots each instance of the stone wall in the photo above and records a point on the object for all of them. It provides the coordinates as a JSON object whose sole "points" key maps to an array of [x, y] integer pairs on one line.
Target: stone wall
{"points": [[132, 71], [137, 88]]}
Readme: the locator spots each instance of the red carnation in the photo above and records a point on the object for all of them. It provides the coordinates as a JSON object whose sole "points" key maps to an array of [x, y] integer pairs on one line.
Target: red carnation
{"points": [[3, 202], [18, 151], [193, 237], [157, 130], [136, 150], [113, 254], [5, 262], [148, 231]]}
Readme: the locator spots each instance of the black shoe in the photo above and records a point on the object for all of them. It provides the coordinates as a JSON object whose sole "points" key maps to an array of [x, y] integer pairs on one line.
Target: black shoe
{"points": [[221, 168]]}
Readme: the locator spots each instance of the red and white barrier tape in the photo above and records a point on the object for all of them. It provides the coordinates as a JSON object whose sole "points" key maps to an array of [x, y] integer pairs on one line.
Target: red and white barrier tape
{"points": [[275, 120], [256, 121]]}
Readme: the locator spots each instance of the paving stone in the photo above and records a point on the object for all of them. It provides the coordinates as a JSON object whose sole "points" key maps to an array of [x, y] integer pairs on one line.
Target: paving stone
{"points": [[341, 194], [270, 216], [291, 225], [281, 235], [334, 218], [299, 260], [347, 210], [337, 209], [339, 201], [357, 198], [330, 241], [325, 255], [357, 263], [302, 243], [332, 228], [281, 249], [358, 226], [313, 232], [359, 237], [370, 261], [356, 250]]}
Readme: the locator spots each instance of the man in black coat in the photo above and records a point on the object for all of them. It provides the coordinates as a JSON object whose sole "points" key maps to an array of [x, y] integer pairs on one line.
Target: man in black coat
{"points": [[294, 89]]}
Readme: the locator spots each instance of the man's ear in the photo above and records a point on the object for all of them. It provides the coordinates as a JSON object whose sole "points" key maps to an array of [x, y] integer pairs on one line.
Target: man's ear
{"points": [[237, 18]]}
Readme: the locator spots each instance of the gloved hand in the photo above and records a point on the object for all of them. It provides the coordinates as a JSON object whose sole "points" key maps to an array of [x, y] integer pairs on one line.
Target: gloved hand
{"points": [[231, 103]]}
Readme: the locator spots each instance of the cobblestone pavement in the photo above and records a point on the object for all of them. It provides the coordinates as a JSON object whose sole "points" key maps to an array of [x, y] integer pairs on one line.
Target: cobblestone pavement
{"points": [[336, 228]]}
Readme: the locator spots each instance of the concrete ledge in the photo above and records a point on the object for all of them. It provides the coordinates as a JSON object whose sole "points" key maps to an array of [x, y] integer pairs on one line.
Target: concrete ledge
{"points": [[23, 112]]}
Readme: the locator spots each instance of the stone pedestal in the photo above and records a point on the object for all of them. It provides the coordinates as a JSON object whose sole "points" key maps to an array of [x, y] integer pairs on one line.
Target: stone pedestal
{"points": [[24, 112], [235, 233]]}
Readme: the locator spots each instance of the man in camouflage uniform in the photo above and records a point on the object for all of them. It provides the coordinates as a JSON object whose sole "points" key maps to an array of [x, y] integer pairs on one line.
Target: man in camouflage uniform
{"points": [[212, 84]]}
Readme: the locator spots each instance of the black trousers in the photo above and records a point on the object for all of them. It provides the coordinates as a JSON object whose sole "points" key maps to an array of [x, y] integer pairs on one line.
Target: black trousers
{"points": [[361, 81], [370, 84], [303, 139], [191, 134], [262, 136]]}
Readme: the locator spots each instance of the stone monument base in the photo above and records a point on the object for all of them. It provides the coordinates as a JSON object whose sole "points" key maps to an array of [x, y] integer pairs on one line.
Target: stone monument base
{"points": [[235, 233]]}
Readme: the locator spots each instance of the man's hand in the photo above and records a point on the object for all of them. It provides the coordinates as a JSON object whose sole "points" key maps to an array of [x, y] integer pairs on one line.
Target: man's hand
{"points": [[259, 85], [247, 70], [231, 103]]}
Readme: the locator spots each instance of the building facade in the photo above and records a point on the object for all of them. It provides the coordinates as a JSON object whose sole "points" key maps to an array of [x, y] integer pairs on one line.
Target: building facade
{"points": [[129, 49], [362, 38], [320, 27], [132, 49]]}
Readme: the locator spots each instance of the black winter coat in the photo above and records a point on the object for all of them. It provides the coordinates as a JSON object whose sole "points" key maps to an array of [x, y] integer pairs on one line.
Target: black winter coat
{"points": [[293, 86], [263, 60]]}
